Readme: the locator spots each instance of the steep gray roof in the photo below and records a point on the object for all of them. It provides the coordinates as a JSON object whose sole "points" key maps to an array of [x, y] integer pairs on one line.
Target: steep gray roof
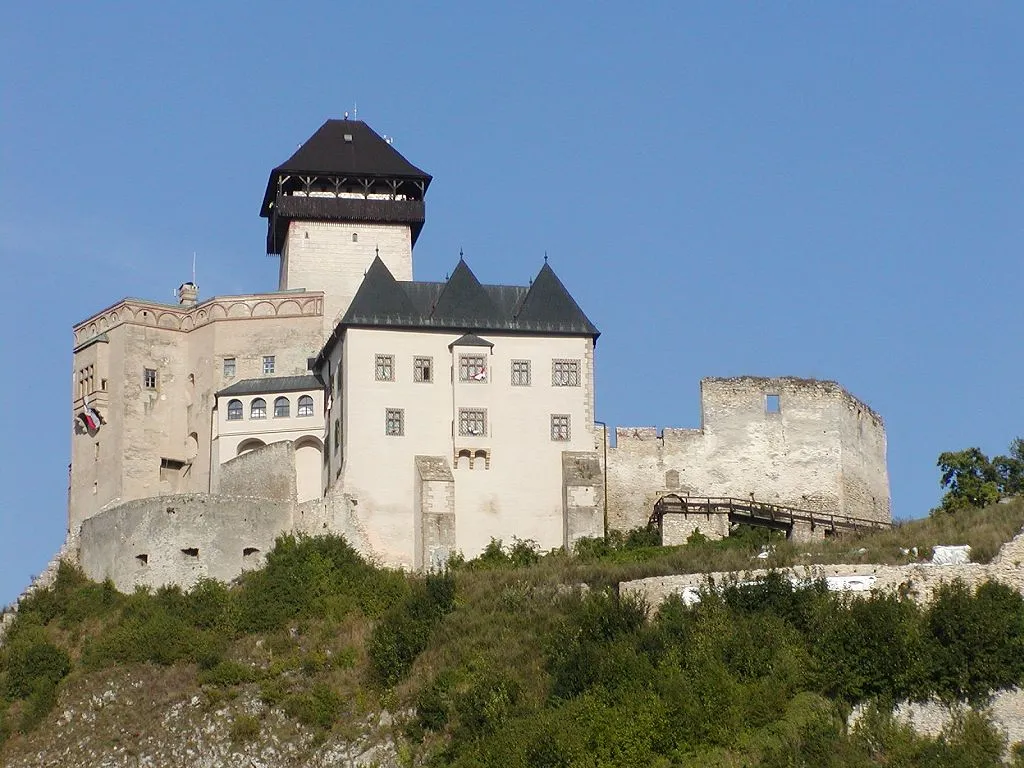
{"points": [[269, 385]]}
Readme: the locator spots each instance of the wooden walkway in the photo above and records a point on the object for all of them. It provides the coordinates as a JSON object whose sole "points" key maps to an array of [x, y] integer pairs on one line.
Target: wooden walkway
{"points": [[762, 514]]}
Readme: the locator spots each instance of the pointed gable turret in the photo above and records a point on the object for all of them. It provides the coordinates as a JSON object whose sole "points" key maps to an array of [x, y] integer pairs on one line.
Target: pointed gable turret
{"points": [[548, 305], [465, 302], [380, 299]]}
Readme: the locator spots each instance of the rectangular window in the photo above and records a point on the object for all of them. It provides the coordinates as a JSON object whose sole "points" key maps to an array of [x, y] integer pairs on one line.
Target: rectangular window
{"points": [[394, 422], [472, 422], [565, 373], [423, 369], [149, 378], [471, 368], [384, 368], [229, 367], [170, 469], [559, 426], [269, 364], [520, 373], [771, 404]]}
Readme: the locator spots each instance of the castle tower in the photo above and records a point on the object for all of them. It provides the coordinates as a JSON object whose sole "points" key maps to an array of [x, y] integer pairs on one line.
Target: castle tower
{"points": [[343, 198]]}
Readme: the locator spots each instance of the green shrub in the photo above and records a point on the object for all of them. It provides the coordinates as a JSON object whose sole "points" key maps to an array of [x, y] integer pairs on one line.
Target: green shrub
{"points": [[404, 631], [30, 661], [228, 673], [320, 708]]}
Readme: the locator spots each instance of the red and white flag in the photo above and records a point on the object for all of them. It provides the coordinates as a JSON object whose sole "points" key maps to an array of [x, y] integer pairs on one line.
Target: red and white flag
{"points": [[90, 417]]}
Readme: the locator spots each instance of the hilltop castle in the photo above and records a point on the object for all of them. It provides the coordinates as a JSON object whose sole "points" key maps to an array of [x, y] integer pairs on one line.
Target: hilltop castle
{"points": [[416, 418]]}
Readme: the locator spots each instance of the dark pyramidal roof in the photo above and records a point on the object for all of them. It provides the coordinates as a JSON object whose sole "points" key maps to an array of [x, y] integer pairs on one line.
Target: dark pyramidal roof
{"points": [[464, 304], [345, 148], [272, 385]]}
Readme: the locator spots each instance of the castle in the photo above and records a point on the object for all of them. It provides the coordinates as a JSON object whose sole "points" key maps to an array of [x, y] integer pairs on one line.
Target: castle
{"points": [[416, 418]]}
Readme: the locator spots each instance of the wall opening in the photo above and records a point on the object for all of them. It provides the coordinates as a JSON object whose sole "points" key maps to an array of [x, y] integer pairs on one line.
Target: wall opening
{"points": [[170, 470], [250, 552], [142, 559], [190, 552], [772, 404]]}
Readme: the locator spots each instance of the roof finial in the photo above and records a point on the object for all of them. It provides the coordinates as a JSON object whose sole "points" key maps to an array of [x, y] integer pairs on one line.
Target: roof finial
{"points": [[377, 250], [460, 253], [545, 256], [346, 114], [355, 111]]}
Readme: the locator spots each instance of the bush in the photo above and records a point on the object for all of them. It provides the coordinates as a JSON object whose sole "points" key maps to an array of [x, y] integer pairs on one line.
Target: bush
{"points": [[244, 729], [405, 629], [31, 662]]}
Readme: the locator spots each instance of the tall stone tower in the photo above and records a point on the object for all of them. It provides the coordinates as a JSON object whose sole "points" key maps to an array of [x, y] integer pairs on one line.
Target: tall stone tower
{"points": [[344, 197]]}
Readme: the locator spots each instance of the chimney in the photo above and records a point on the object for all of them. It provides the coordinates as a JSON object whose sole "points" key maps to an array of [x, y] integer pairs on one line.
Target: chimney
{"points": [[187, 294]]}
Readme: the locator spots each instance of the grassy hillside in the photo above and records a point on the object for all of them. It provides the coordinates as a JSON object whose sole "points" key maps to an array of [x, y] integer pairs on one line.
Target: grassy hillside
{"points": [[523, 659]]}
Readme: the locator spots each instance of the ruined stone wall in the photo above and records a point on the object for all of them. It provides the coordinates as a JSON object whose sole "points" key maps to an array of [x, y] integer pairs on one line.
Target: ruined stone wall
{"points": [[919, 581], [181, 539], [267, 472], [791, 456]]}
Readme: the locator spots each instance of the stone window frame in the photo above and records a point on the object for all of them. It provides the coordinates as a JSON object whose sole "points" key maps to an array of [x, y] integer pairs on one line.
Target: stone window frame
{"points": [[149, 378], [384, 367], [521, 373], [423, 369], [565, 372], [394, 422], [282, 408], [269, 364], [561, 427], [306, 406], [258, 408], [235, 410], [473, 368], [472, 422], [230, 367]]}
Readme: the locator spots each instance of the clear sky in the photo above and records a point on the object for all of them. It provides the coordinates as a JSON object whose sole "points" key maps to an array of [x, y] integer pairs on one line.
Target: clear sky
{"points": [[829, 190]]}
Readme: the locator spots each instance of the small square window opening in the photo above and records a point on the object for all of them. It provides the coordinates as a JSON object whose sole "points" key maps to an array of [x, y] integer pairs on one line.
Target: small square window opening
{"points": [[269, 364], [472, 368], [565, 373], [423, 369], [149, 378], [229, 367], [384, 368], [394, 422], [520, 373], [472, 422], [560, 428]]}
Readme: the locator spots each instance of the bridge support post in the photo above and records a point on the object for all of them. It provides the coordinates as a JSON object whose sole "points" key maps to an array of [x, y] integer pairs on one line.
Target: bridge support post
{"points": [[803, 531]]}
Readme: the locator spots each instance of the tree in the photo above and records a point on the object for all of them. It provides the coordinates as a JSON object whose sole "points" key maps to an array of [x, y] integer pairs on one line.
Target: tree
{"points": [[974, 480]]}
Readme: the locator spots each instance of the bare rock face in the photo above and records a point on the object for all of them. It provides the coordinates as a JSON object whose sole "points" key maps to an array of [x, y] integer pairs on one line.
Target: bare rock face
{"points": [[155, 717]]}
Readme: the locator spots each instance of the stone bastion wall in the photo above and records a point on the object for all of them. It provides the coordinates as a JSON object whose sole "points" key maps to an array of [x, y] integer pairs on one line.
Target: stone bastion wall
{"points": [[800, 443]]}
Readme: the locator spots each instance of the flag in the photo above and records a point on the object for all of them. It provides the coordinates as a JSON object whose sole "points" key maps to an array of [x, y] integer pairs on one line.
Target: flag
{"points": [[480, 375], [90, 417]]}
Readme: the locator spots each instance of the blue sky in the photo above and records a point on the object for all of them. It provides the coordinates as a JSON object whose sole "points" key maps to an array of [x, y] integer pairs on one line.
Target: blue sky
{"points": [[830, 190]]}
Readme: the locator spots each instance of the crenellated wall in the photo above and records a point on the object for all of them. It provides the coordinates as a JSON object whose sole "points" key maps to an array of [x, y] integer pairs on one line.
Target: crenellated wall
{"points": [[821, 450]]}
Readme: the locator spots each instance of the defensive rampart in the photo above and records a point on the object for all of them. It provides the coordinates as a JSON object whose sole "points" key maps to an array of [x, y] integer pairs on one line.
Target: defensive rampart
{"points": [[800, 443]]}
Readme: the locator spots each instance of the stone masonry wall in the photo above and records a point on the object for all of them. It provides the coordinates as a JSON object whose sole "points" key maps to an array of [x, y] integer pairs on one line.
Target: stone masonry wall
{"points": [[181, 539], [266, 472], [823, 451]]}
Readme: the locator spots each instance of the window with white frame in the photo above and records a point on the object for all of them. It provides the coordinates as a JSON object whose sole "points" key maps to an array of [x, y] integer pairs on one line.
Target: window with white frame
{"points": [[520, 373], [282, 408], [423, 369], [472, 422], [394, 422], [384, 368], [305, 406], [269, 364], [565, 373], [472, 368], [258, 409], [149, 378], [560, 426], [234, 410], [229, 367]]}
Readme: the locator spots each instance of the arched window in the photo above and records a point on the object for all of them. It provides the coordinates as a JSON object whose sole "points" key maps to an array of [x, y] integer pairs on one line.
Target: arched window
{"points": [[234, 410], [355, 237], [282, 408], [258, 409], [305, 406]]}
